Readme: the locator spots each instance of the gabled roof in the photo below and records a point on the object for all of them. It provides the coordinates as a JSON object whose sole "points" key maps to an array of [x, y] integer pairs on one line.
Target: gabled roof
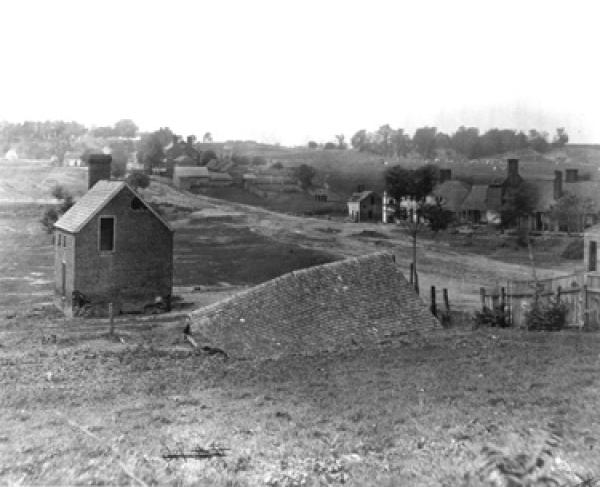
{"points": [[93, 201], [453, 193], [362, 195], [476, 199], [190, 172], [544, 189], [220, 176]]}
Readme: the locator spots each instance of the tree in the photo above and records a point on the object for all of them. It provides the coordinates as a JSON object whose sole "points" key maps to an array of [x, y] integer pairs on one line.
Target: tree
{"points": [[138, 180], [207, 156], [561, 138], [118, 168], [359, 140], [329, 146], [437, 216], [125, 128], [150, 152], [538, 141], [52, 214], [312, 144], [341, 144], [570, 210], [519, 201], [207, 138], [414, 186], [305, 174], [424, 141]]}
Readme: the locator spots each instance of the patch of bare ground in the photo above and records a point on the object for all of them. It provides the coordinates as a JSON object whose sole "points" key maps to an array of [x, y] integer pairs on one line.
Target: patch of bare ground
{"points": [[78, 407]]}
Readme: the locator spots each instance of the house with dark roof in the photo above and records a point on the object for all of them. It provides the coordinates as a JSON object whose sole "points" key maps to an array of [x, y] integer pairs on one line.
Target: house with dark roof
{"points": [[365, 206], [191, 178], [111, 247]]}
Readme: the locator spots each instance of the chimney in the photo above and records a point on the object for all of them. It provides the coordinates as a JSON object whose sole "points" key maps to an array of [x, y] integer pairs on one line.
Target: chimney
{"points": [[513, 167], [445, 175], [572, 176], [557, 184], [98, 168]]}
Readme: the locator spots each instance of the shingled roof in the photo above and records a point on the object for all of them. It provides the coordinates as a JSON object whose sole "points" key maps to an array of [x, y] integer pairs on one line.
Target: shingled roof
{"points": [[452, 193], [361, 196], [361, 300], [92, 202]]}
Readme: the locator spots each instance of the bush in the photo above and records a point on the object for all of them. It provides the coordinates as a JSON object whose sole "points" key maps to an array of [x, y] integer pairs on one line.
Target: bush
{"points": [[138, 180], [574, 250], [551, 316], [490, 317], [49, 218]]}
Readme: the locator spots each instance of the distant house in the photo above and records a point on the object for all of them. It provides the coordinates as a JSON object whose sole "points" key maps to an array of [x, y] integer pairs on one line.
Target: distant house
{"points": [[112, 247], [451, 194], [191, 178], [219, 179], [482, 204], [365, 206], [72, 159]]}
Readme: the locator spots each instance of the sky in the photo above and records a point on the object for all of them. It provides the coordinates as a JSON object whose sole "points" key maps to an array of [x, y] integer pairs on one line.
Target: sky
{"points": [[292, 71]]}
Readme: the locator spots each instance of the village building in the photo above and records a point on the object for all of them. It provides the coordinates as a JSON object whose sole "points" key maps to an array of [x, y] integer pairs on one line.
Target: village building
{"points": [[72, 159], [451, 194], [111, 247], [219, 179], [365, 206], [191, 178]]}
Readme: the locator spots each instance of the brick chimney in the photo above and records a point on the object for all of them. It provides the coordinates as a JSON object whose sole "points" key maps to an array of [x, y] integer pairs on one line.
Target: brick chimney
{"points": [[572, 176], [98, 168], [557, 184], [445, 175], [513, 178]]}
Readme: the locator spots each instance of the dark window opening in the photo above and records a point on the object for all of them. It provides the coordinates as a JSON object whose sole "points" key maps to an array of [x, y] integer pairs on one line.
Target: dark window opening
{"points": [[64, 240], [136, 204], [592, 257], [107, 234]]}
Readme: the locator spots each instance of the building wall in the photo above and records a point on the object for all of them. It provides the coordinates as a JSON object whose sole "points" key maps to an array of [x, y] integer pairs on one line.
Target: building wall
{"points": [[370, 208], [140, 269], [64, 251], [188, 183], [360, 301]]}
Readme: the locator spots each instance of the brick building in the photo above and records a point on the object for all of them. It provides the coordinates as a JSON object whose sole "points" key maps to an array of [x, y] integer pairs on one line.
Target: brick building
{"points": [[112, 247], [361, 300]]}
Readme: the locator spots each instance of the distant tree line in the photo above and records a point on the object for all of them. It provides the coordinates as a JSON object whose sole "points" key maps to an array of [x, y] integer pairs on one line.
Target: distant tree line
{"points": [[466, 141], [43, 140]]}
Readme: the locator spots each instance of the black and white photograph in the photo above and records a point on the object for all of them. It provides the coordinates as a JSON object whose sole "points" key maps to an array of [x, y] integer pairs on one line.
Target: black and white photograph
{"points": [[300, 243]]}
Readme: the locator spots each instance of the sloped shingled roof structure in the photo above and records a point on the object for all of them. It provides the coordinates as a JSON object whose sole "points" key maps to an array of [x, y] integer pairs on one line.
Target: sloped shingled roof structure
{"points": [[92, 202], [362, 300]]}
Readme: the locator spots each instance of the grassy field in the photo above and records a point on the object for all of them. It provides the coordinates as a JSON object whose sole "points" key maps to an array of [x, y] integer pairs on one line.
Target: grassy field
{"points": [[80, 408]]}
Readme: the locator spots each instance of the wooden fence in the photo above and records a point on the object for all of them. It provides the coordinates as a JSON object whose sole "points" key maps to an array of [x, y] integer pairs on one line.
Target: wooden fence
{"points": [[579, 291]]}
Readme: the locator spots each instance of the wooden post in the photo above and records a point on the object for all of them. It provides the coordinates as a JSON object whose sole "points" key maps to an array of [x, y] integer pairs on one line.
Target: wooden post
{"points": [[416, 282], [433, 302], [586, 317], [412, 274], [482, 295], [446, 301], [503, 304], [112, 319]]}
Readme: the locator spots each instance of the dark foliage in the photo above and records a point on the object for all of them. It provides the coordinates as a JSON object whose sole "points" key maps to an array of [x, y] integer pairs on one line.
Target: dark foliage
{"points": [[574, 250], [138, 180], [305, 174], [550, 316]]}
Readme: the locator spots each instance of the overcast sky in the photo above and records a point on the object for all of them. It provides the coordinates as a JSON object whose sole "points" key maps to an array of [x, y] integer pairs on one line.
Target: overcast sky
{"points": [[291, 71]]}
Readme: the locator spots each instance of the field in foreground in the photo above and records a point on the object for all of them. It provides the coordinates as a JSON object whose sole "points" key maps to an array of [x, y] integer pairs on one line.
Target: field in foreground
{"points": [[79, 408]]}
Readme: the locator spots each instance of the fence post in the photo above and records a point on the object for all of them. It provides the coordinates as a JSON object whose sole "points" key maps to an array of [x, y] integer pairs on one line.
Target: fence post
{"points": [[412, 274], [586, 311], [482, 295], [433, 302], [503, 303], [112, 319], [416, 282], [447, 306]]}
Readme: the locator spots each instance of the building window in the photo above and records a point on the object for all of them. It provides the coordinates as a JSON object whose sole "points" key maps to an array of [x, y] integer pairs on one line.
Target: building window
{"points": [[136, 204], [592, 257], [107, 233], [64, 240]]}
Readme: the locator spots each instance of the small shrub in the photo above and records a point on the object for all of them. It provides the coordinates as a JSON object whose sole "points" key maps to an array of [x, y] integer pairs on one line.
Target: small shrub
{"points": [[574, 250], [549, 316], [49, 218], [490, 317]]}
